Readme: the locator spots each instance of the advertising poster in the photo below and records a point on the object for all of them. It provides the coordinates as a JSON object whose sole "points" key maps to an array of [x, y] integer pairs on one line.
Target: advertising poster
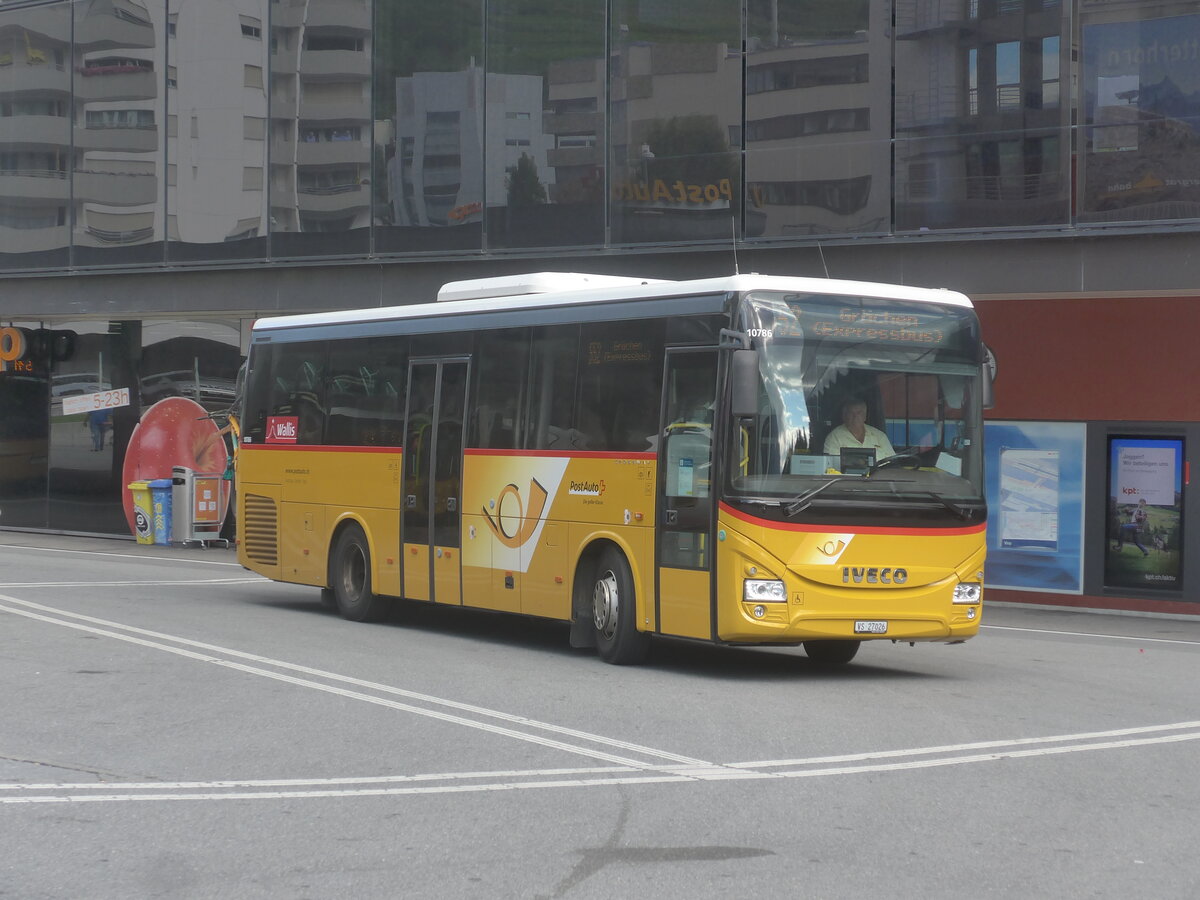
{"points": [[1142, 108], [1145, 513], [1035, 477]]}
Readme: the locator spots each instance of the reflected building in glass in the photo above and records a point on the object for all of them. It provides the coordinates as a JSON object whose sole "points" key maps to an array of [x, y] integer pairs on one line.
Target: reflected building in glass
{"points": [[320, 126], [171, 170], [982, 132]]}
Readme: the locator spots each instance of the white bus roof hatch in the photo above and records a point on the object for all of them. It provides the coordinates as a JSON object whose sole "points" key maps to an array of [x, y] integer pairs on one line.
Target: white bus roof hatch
{"points": [[534, 283]]}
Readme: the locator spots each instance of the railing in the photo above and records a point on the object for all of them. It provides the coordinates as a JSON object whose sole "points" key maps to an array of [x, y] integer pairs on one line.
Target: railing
{"points": [[34, 173]]}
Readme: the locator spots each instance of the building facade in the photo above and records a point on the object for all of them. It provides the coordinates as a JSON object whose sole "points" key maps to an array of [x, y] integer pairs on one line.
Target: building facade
{"points": [[171, 170]]}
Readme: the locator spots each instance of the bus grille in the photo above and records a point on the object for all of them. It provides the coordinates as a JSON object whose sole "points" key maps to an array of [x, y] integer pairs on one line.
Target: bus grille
{"points": [[260, 530]]}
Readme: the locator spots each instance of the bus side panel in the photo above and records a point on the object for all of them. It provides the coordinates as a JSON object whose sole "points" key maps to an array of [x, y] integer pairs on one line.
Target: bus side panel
{"points": [[303, 542], [688, 614], [637, 545], [476, 562], [258, 527], [546, 590]]}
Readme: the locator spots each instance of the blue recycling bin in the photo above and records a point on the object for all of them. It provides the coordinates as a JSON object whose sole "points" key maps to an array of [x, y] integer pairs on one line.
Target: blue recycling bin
{"points": [[160, 502]]}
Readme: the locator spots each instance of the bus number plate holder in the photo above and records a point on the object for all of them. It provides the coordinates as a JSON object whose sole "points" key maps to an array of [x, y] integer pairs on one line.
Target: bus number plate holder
{"points": [[870, 627]]}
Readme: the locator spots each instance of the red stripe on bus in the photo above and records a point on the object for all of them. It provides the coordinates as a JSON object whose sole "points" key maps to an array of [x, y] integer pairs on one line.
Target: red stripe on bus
{"points": [[571, 454], [321, 448], [849, 529]]}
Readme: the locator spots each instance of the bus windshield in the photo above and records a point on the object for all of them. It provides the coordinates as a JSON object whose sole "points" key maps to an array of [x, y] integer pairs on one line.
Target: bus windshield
{"points": [[863, 403]]}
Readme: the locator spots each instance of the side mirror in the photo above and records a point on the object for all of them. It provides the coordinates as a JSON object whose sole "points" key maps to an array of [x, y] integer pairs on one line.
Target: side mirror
{"points": [[743, 377], [989, 377]]}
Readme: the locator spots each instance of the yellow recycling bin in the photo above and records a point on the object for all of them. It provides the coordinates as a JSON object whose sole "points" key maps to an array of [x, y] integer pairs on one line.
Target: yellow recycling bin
{"points": [[143, 512]]}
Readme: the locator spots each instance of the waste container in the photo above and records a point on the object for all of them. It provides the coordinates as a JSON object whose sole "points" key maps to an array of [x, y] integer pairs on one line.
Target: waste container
{"points": [[143, 512], [199, 500], [160, 498]]}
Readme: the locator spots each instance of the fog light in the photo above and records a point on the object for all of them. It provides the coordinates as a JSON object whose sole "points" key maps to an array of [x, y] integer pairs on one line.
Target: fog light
{"points": [[755, 590], [971, 613], [760, 611], [968, 592]]}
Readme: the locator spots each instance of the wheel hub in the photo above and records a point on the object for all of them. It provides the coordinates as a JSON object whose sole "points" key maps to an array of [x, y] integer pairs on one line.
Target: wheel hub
{"points": [[605, 603]]}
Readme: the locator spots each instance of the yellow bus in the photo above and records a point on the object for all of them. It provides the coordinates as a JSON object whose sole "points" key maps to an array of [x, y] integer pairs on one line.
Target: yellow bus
{"points": [[635, 457]]}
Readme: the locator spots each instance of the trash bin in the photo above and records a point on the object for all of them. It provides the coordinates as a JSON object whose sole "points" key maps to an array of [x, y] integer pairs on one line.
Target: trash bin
{"points": [[198, 500], [143, 512], [160, 498]]}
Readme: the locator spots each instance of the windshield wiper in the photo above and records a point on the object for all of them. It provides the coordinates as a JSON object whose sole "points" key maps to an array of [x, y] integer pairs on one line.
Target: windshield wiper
{"points": [[802, 502], [961, 511]]}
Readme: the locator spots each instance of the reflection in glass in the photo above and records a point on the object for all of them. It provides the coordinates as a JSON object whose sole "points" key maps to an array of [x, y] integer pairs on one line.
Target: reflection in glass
{"points": [[675, 113], [818, 117], [216, 134], [320, 127], [24, 424], [982, 138], [118, 64], [87, 438], [429, 99], [545, 122], [1141, 97], [35, 136]]}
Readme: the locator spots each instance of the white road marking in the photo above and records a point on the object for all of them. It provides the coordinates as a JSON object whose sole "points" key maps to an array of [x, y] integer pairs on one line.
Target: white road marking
{"points": [[666, 769], [139, 583], [154, 640], [137, 556], [1088, 634], [536, 779]]}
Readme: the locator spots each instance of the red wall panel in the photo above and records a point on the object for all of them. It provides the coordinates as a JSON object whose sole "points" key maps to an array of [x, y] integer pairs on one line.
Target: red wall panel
{"points": [[1094, 359]]}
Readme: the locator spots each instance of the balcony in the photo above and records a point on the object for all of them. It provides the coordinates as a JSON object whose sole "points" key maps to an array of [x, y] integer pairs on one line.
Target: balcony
{"points": [[116, 83], [34, 132], [43, 185], [345, 198], [119, 140], [122, 26], [340, 14], [33, 240], [340, 111], [341, 64], [326, 153], [115, 190]]}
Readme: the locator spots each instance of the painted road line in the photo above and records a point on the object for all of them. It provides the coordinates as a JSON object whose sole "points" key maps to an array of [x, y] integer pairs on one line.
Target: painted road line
{"points": [[155, 640]]}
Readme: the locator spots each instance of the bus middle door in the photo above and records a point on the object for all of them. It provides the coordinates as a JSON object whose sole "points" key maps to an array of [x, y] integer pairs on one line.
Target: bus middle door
{"points": [[432, 484]]}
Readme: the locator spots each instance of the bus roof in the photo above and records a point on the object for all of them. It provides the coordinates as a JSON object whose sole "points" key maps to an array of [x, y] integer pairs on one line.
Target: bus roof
{"points": [[542, 290]]}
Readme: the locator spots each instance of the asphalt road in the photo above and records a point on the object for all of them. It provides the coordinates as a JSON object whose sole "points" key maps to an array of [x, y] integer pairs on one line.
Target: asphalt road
{"points": [[174, 726]]}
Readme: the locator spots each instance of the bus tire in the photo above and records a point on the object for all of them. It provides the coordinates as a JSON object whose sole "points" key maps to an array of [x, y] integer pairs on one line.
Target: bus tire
{"points": [[614, 612], [350, 578], [831, 653]]}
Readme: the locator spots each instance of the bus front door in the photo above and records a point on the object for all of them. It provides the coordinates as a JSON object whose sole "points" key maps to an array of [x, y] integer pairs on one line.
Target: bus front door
{"points": [[431, 490], [685, 502]]}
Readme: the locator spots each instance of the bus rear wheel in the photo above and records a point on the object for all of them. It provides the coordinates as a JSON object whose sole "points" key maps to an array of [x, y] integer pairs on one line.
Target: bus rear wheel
{"points": [[614, 612], [350, 578], [831, 653]]}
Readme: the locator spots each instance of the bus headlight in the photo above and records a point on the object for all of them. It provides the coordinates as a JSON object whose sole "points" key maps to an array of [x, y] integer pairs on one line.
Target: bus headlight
{"points": [[758, 590], [968, 592]]}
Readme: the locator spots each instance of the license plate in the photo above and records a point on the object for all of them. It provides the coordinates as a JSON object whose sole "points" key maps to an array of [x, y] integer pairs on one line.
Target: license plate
{"points": [[870, 627]]}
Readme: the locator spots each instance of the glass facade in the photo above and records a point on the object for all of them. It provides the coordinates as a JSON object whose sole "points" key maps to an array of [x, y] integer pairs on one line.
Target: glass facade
{"points": [[71, 395], [175, 132]]}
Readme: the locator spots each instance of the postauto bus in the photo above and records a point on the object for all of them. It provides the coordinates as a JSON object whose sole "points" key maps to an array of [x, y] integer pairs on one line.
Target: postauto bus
{"points": [[638, 458]]}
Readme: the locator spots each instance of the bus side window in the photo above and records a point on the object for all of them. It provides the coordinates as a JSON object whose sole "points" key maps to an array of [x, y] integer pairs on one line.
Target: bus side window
{"points": [[619, 385], [500, 378], [550, 420]]}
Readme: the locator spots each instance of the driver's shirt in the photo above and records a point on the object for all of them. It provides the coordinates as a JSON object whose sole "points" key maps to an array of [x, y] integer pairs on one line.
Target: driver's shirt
{"points": [[873, 438]]}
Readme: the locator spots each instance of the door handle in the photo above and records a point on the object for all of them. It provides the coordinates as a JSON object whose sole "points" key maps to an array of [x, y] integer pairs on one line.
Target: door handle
{"points": [[672, 516]]}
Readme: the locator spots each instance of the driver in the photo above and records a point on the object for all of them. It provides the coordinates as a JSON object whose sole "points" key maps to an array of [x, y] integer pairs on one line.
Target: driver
{"points": [[855, 432]]}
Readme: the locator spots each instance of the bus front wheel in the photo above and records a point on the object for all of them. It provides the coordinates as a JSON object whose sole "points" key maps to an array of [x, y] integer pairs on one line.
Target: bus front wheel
{"points": [[350, 578], [831, 653], [614, 612]]}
